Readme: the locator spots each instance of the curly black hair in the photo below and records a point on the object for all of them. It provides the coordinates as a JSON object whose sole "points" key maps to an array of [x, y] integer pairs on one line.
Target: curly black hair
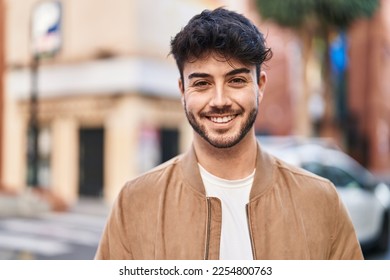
{"points": [[223, 32]]}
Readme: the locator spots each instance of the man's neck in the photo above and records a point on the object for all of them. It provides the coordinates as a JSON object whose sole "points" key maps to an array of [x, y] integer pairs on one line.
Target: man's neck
{"points": [[228, 163]]}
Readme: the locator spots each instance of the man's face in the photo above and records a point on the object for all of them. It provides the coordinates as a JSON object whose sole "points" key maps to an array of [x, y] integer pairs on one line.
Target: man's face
{"points": [[221, 99]]}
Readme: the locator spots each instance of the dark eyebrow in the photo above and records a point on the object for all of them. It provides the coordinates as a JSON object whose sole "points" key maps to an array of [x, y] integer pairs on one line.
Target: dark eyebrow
{"points": [[198, 75], [238, 71], [231, 73]]}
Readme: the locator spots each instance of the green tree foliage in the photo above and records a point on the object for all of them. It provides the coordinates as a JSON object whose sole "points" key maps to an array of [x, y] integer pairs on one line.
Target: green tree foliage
{"points": [[288, 13], [297, 13], [341, 13]]}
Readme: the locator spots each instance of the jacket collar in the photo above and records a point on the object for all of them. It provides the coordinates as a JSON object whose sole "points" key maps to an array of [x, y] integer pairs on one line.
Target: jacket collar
{"points": [[264, 175]]}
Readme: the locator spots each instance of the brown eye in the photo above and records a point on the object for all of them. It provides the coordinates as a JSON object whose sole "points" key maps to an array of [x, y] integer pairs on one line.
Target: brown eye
{"points": [[201, 84], [237, 81]]}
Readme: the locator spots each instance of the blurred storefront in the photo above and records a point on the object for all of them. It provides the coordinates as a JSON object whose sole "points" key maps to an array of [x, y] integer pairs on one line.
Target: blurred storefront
{"points": [[369, 91], [108, 103]]}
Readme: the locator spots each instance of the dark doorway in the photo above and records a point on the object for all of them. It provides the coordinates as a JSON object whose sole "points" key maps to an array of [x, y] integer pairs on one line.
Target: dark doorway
{"points": [[169, 143], [91, 162]]}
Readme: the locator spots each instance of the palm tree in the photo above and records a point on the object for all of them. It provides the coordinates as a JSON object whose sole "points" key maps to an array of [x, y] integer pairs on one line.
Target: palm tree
{"points": [[315, 20]]}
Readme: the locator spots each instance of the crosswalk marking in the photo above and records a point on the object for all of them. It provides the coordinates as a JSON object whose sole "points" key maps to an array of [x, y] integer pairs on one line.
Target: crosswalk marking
{"points": [[51, 234], [33, 244], [50, 230]]}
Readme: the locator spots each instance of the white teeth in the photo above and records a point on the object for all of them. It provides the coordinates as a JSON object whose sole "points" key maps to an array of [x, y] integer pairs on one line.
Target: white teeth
{"points": [[222, 119]]}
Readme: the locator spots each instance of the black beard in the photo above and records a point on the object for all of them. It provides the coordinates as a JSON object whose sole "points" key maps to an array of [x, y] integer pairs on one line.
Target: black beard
{"points": [[222, 143]]}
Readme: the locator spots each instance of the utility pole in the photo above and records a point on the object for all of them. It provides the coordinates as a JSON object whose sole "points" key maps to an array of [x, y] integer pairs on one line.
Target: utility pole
{"points": [[2, 70], [33, 126], [46, 42]]}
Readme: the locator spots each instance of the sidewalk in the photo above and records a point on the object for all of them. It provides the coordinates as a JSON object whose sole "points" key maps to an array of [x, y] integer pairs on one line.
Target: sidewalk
{"points": [[26, 204], [91, 206], [52, 235], [33, 202]]}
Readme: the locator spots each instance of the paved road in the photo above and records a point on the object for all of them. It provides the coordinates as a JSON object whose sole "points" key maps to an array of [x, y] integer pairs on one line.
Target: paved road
{"points": [[72, 235]]}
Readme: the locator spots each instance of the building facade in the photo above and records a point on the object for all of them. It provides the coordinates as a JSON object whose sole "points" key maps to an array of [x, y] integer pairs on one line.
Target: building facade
{"points": [[369, 91], [2, 67], [108, 103]]}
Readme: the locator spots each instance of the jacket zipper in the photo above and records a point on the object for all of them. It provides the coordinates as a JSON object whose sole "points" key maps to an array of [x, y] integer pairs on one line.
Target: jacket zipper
{"points": [[250, 231], [206, 255]]}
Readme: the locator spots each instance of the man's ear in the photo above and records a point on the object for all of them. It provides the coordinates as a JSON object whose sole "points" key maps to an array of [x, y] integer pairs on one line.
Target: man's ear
{"points": [[262, 81], [181, 88], [261, 85]]}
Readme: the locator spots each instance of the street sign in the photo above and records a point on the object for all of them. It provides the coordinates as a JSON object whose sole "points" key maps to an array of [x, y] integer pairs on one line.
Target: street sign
{"points": [[46, 36]]}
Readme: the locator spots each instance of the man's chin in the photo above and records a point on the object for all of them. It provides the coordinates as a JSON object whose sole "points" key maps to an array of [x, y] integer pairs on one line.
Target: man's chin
{"points": [[223, 143]]}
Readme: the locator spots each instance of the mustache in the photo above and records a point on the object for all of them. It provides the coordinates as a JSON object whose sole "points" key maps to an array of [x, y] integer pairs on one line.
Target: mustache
{"points": [[220, 111]]}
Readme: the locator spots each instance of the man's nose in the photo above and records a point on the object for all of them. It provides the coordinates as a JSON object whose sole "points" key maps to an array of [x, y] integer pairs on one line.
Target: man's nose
{"points": [[220, 97]]}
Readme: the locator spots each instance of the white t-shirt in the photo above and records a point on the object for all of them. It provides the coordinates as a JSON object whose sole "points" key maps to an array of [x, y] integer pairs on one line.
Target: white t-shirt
{"points": [[234, 195]]}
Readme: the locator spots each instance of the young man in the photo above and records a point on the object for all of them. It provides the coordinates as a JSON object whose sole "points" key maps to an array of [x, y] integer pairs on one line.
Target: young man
{"points": [[226, 198]]}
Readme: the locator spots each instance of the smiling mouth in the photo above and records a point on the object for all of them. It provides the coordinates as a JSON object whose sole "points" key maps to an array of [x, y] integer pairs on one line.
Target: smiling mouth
{"points": [[224, 119]]}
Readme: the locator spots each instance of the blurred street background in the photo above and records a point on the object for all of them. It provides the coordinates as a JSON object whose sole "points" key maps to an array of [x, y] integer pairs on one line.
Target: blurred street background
{"points": [[70, 235], [89, 100]]}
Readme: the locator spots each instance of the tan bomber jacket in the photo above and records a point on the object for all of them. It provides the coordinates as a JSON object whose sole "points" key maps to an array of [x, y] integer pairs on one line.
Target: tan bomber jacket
{"points": [[165, 214]]}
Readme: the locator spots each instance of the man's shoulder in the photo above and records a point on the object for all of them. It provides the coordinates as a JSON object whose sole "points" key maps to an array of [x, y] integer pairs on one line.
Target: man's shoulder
{"points": [[155, 177], [298, 171], [307, 189], [161, 168], [299, 177]]}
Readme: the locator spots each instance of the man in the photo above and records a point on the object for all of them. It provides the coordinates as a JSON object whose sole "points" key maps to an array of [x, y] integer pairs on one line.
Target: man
{"points": [[226, 198]]}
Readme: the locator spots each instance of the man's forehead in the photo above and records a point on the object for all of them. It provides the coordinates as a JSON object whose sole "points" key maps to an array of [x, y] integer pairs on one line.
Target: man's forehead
{"points": [[218, 64]]}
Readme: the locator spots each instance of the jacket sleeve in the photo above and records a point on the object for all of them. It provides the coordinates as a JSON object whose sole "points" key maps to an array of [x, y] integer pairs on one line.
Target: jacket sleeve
{"points": [[345, 244], [114, 244]]}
